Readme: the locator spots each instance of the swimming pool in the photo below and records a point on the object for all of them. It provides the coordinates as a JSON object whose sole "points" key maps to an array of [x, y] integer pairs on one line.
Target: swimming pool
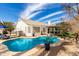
{"points": [[24, 44]]}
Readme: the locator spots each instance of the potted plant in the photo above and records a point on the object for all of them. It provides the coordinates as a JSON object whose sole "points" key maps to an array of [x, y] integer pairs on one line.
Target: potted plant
{"points": [[47, 44]]}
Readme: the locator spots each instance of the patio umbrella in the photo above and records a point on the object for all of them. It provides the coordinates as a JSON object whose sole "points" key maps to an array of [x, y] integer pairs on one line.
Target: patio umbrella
{"points": [[2, 26]]}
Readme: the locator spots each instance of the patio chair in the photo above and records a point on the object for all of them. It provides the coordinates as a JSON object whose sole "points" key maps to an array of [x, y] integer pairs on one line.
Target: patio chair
{"points": [[6, 37]]}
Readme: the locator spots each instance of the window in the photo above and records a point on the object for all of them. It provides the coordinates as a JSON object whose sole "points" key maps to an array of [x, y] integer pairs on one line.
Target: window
{"points": [[36, 29], [29, 29]]}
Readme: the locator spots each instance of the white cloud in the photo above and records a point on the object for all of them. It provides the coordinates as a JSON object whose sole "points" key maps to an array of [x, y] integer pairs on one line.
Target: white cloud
{"points": [[52, 14], [55, 18], [32, 15], [31, 8]]}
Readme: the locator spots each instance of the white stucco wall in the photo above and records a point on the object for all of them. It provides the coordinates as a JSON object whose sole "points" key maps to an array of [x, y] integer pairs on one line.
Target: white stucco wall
{"points": [[22, 26]]}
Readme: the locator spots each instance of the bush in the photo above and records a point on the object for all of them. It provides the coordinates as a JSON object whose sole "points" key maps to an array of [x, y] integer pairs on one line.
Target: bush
{"points": [[67, 34], [5, 32]]}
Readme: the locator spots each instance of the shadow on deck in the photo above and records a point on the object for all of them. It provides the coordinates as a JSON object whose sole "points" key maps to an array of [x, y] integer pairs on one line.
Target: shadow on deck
{"points": [[55, 50]]}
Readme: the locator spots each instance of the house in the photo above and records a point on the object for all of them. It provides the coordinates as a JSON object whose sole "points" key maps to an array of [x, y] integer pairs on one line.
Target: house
{"points": [[29, 27]]}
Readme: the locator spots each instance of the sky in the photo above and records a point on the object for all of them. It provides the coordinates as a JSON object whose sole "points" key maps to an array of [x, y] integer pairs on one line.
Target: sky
{"points": [[43, 12], [11, 12]]}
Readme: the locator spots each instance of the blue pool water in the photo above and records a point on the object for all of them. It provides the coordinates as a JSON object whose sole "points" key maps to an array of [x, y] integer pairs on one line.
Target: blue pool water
{"points": [[24, 44]]}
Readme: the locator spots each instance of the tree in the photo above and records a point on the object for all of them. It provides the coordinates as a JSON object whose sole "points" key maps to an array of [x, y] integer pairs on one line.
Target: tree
{"points": [[64, 26], [71, 11], [10, 26]]}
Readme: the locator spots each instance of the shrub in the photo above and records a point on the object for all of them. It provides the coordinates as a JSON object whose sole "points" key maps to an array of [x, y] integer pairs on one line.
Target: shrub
{"points": [[5, 32]]}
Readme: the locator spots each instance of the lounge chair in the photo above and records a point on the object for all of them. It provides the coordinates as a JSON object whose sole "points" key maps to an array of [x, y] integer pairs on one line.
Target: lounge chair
{"points": [[6, 37]]}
